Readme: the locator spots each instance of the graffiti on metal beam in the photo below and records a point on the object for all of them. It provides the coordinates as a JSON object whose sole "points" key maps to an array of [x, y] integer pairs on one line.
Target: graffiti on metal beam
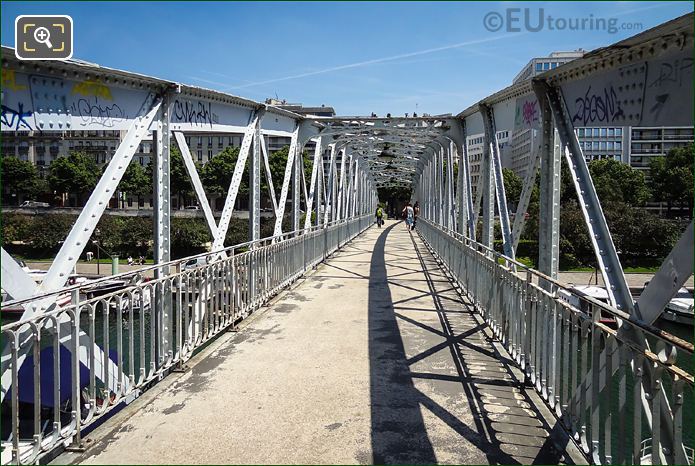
{"points": [[527, 114], [9, 81], [16, 118], [92, 88], [675, 72], [94, 112], [598, 106], [196, 113], [640, 93]]}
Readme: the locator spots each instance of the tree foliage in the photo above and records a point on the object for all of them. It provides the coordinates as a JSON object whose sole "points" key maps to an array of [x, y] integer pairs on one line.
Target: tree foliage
{"points": [[216, 174], [77, 173], [135, 181], [671, 177], [513, 185], [179, 181], [21, 177], [618, 182]]}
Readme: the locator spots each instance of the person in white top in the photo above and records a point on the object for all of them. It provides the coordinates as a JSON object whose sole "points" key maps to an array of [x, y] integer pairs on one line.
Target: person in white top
{"points": [[409, 214]]}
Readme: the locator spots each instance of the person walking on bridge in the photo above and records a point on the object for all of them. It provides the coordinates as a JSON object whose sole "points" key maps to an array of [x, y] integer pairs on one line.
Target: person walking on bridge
{"points": [[379, 216], [416, 213], [409, 215]]}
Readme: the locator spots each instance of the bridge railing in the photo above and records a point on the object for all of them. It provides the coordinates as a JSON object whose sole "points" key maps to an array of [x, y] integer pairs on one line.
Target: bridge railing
{"points": [[107, 348], [569, 344]]}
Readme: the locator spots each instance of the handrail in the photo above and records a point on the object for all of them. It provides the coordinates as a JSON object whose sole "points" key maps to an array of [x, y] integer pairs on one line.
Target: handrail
{"points": [[152, 326], [597, 381], [605, 307], [172, 263]]}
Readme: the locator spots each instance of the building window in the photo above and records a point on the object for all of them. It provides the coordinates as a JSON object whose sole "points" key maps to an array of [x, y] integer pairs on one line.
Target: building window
{"points": [[618, 132], [209, 141], [611, 132], [539, 66], [209, 154], [610, 145], [603, 132], [200, 155], [618, 145], [580, 132]]}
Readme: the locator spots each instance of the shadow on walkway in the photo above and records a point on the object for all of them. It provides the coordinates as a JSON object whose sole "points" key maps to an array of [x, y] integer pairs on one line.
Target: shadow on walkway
{"points": [[506, 427], [398, 429]]}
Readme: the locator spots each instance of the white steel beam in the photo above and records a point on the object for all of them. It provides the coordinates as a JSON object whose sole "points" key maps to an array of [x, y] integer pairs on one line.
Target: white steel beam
{"points": [[255, 187], [228, 209], [496, 167], [297, 170], [291, 158], [341, 184], [87, 221], [197, 184], [672, 275], [526, 191], [269, 175], [550, 159], [318, 159], [329, 194]]}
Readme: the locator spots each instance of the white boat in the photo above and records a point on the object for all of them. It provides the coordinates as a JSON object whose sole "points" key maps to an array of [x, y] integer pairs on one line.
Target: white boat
{"points": [[680, 308], [599, 293]]}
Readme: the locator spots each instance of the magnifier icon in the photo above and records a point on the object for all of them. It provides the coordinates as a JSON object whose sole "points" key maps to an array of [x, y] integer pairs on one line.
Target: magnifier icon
{"points": [[43, 36]]}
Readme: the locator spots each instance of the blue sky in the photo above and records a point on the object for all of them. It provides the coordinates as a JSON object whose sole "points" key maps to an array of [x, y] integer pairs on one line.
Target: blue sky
{"points": [[360, 57]]}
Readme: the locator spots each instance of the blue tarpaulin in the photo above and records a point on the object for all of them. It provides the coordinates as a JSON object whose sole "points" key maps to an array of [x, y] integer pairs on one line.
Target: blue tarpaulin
{"points": [[26, 376]]}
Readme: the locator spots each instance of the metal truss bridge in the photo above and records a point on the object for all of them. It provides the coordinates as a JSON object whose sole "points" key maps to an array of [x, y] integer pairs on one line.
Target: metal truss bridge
{"points": [[337, 341]]}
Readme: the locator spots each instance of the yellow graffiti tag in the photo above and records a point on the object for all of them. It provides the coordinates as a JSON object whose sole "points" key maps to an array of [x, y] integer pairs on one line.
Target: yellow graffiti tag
{"points": [[9, 81], [92, 88]]}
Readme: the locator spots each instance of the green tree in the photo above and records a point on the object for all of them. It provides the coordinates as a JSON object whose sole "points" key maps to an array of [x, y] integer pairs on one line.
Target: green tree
{"points": [[49, 231], [179, 181], [135, 181], [671, 177], [216, 174], [618, 182], [277, 162], [513, 185], [76, 174], [21, 178]]}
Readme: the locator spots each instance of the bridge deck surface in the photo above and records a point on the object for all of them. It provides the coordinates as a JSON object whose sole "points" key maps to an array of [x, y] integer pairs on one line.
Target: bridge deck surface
{"points": [[372, 358]]}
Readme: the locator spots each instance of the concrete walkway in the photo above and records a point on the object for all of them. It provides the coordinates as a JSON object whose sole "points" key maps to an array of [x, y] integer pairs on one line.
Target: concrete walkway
{"points": [[373, 358]]}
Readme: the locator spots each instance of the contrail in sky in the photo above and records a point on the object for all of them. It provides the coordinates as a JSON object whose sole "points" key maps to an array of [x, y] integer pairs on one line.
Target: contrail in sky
{"points": [[379, 60]]}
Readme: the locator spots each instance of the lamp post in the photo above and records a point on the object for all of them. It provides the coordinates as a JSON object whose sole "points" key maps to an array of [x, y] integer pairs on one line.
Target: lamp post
{"points": [[97, 235]]}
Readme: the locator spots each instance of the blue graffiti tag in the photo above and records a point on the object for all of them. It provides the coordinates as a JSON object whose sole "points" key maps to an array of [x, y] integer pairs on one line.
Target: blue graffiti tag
{"points": [[15, 119]]}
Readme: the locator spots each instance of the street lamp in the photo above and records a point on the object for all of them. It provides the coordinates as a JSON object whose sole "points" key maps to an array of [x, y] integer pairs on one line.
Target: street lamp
{"points": [[97, 235]]}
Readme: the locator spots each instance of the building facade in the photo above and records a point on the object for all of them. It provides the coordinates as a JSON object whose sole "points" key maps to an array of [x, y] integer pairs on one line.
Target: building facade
{"points": [[539, 65], [476, 144], [649, 142], [635, 146]]}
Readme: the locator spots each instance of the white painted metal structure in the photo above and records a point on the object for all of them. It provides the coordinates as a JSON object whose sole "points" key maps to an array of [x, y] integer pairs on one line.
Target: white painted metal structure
{"points": [[619, 85]]}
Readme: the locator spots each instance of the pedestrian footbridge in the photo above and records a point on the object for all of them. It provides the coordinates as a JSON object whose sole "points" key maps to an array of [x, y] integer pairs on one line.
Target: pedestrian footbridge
{"points": [[333, 340]]}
